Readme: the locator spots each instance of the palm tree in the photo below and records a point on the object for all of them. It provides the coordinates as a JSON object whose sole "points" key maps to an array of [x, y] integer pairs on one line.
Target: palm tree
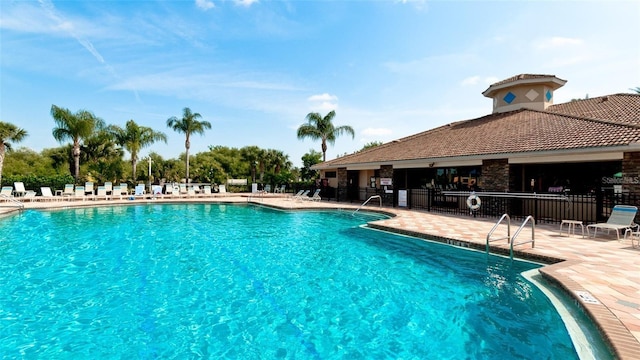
{"points": [[9, 133], [74, 127], [278, 161], [322, 128], [188, 125], [252, 155], [636, 89], [135, 137]]}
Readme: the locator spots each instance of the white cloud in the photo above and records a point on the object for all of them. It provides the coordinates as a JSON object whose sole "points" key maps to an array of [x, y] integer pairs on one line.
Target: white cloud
{"points": [[557, 41], [323, 102], [245, 3], [472, 80], [205, 4], [323, 97]]}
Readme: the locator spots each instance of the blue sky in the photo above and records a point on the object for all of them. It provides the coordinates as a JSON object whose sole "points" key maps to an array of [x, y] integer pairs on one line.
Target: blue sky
{"points": [[256, 68]]}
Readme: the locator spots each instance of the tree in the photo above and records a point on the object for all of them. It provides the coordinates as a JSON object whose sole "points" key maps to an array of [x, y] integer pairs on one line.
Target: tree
{"points": [[133, 138], [636, 89], [252, 155], [9, 133], [308, 160], [188, 125], [370, 145], [74, 127], [322, 128]]}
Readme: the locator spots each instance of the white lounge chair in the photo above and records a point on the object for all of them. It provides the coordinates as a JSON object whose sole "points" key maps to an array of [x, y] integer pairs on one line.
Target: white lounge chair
{"points": [[621, 218], [139, 190], [88, 188], [7, 191], [19, 189], [79, 193], [47, 194], [168, 189], [116, 192], [280, 189], [68, 190], [315, 196], [183, 190], [296, 195], [108, 187], [156, 191], [101, 193], [29, 195], [303, 196], [206, 190], [222, 189]]}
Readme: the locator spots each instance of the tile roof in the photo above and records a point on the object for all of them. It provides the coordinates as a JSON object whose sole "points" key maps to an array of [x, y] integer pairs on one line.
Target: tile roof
{"points": [[622, 108], [590, 123], [522, 77]]}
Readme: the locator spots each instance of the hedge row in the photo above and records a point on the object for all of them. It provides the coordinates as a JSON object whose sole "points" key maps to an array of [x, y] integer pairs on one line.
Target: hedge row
{"points": [[32, 182]]}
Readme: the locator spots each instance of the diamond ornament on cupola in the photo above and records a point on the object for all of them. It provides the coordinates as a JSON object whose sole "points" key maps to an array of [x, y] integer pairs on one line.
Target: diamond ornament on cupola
{"points": [[523, 92]]}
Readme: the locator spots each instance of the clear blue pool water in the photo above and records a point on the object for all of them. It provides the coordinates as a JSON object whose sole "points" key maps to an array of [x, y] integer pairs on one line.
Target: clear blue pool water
{"points": [[246, 282]]}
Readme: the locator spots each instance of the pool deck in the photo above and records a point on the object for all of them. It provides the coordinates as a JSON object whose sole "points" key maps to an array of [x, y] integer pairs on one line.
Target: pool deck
{"points": [[602, 274]]}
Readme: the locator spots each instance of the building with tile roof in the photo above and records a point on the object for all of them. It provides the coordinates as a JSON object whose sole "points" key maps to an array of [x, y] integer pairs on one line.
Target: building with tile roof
{"points": [[527, 144]]}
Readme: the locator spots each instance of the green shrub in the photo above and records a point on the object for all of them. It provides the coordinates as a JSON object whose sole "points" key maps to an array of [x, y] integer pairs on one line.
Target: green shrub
{"points": [[33, 182]]}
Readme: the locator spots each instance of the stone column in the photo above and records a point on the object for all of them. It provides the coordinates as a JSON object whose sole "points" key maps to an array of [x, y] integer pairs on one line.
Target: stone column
{"points": [[495, 175], [631, 171]]}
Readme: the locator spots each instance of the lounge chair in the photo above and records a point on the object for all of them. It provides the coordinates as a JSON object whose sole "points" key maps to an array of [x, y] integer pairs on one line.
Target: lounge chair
{"points": [[267, 188], [280, 189], [156, 191], [46, 194], [68, 190], [182, 190], [79, 193], [29, 195], [206, 190], [7, 191], [303, 196], [621, 218], [139, 190], [168, 189], [88, 187], [19, 189], [296, 195], [124, 189], [108, 187], [316, 196], [101, 193], [222, 189], [116, 191]]}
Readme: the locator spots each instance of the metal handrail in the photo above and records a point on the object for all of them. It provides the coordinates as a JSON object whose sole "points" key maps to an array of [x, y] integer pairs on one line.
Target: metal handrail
{"points": [[365, 203], [508, 237], [533, 235], [10, 199]]}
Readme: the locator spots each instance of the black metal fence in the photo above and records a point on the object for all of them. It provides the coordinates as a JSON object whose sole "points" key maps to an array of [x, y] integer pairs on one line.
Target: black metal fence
{"points": [[545, 208]]}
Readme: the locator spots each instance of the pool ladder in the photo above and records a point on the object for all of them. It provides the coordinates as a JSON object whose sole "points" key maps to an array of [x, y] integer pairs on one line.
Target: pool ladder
{"points": [[365, 203], [10, 199], [512, 240]]}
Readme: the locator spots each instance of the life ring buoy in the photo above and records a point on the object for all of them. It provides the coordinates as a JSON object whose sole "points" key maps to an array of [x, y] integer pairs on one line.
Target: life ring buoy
{"points": [[473, 202]]}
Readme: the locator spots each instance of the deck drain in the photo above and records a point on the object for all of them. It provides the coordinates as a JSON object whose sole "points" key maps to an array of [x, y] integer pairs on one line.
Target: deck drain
{"points": [[586, 297]]}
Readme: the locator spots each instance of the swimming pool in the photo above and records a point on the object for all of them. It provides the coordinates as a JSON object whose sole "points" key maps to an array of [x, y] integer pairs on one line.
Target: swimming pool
{"points": [[239, 281]]}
